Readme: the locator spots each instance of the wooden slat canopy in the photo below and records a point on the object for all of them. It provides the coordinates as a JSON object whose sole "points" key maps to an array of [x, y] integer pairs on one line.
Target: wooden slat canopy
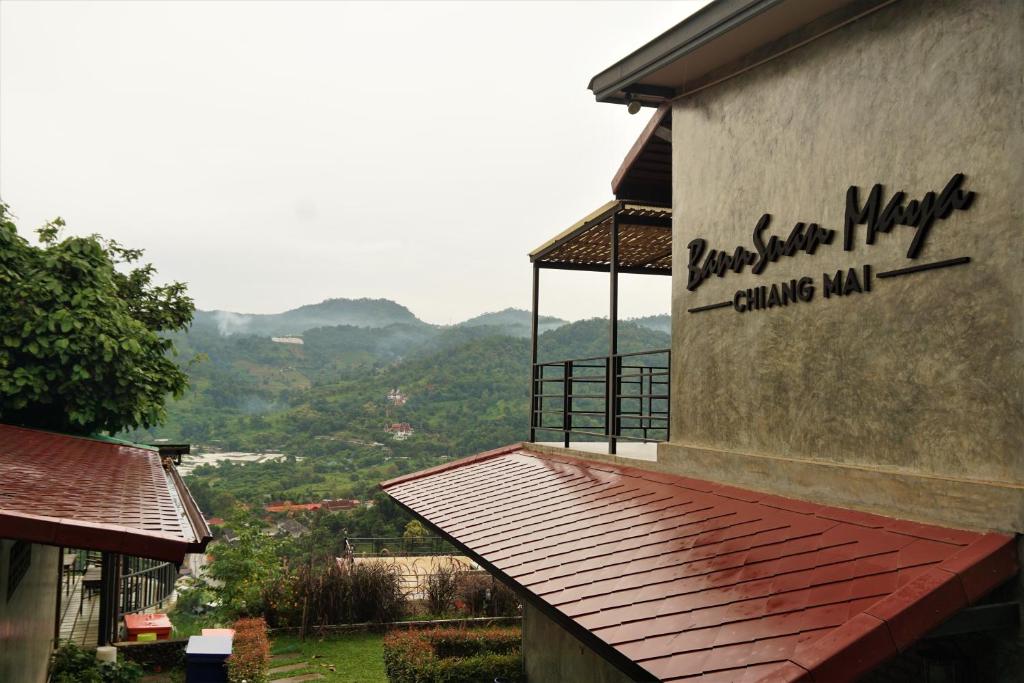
{"points": [[645, 241]]}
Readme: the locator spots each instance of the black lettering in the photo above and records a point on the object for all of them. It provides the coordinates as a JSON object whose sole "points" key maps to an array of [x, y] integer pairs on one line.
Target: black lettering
{"points": [[805, 289], [740, 307], [694, 276], [788, 292], [830, 285], [852, 283]]}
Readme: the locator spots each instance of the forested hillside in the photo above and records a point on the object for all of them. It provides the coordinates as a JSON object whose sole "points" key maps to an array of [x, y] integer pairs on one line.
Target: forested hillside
{"points": [[465, 389]]}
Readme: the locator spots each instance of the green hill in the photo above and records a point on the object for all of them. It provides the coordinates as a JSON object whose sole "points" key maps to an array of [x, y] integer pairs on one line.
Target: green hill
{"points": [[353, 312]]}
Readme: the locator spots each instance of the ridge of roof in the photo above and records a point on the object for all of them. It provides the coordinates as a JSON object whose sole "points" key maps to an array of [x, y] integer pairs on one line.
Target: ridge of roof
{"points": [[792, 590], [461, 462], [102, 438]]}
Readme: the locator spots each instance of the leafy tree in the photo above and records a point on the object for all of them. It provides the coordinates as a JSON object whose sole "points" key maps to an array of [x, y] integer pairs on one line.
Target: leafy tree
{"points": [[415, 530], [246, 566], [81, 343]]}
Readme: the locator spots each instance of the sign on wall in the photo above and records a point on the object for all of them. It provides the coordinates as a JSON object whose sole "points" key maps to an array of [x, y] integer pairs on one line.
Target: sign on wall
{"points": [[921, 215]]}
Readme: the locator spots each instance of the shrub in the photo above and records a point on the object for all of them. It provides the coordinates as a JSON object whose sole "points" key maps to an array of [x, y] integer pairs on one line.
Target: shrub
{"points": [[483, 595], [376, 592], [250, 652], [442, 587], [73, 664], [453, 655]]}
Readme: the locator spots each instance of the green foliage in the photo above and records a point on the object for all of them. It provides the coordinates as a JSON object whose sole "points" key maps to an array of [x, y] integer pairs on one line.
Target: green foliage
{"points": [[81, 343], [414, 529], [73, 664], [244, 567], [453, 655]]}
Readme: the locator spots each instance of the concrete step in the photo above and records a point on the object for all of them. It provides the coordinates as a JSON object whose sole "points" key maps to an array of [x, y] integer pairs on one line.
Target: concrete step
{"points": [[299, 679], [288, 667]]}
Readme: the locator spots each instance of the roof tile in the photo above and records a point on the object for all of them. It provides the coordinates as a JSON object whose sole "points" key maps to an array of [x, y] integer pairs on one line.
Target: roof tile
{"points": [[90, 493], [692, 580]]}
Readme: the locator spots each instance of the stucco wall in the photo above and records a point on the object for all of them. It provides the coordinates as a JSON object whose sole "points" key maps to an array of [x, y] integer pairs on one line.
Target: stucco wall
{"points": [[553, 655], [27, 619], [885, 399]]}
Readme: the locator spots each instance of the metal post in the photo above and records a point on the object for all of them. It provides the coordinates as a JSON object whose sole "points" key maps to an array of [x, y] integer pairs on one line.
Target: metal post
{"points": [[613, 335], [110, 570], [566, 401], [60, 591], [534, 379]]}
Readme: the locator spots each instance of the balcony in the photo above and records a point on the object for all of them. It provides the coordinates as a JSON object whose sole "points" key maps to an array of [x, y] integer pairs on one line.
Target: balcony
{"points": [[597, 402], [144, 585]]}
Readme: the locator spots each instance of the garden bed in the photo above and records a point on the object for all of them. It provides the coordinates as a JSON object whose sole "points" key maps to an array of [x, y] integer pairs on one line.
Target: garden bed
{"points": [[453, 655]]}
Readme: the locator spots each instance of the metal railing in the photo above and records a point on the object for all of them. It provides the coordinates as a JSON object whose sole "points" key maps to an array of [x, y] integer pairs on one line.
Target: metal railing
{"points": [[624, 396], [145, 583], [416, 545]]}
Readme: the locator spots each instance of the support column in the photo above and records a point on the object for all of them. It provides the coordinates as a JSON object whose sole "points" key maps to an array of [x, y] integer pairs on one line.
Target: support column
{"points": [[534, 370], [60, 592], [110, 570], [612, 382]]}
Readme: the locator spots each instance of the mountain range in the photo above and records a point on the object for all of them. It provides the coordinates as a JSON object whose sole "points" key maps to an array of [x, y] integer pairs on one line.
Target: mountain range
{"points": [[373, 313]]}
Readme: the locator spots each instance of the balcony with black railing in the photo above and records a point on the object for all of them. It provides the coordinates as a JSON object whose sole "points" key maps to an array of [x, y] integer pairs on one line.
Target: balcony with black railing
{"points": [[582, 402]]}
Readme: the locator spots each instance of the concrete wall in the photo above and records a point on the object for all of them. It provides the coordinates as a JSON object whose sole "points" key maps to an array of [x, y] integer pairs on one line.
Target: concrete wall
{"points": [[553, 655], [909, 394], [27, 619]]}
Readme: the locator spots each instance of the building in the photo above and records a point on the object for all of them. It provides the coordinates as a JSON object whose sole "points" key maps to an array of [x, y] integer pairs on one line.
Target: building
{"points": [[290, 527], [289, 506], [837, 488], [397, 398], [399, 431], [337, 504], [57, 492]]}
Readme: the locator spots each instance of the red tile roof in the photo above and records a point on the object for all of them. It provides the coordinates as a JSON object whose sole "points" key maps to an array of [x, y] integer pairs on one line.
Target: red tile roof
{"points": [[95, 494], [673, 578], [288, 506]]}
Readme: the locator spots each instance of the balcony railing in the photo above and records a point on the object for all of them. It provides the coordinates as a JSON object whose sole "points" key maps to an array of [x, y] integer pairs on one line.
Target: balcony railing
{"points": [[623, 396], [145, 583]]}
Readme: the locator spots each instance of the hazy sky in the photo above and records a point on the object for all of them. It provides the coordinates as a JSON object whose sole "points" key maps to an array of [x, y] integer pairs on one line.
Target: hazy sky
{"points": [[273, 155]]}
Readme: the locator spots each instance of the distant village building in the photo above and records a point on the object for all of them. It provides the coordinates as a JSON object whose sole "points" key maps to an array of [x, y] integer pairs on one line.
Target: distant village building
{"points": [[399, 431], [287, 340], [291, 528], [288, 506], [397, 398], [339, 504]]}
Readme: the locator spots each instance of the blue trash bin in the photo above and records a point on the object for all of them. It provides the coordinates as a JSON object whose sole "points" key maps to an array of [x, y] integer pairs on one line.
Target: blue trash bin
{"points": [[205, 659]]}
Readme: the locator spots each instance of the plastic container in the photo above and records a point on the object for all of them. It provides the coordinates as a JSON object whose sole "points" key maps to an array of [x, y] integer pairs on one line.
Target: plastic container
{"points": [[205, 657], [135, 624]]}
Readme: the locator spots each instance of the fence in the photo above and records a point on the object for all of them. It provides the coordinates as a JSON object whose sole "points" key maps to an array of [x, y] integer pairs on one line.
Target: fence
{"points": [[623, 396]]}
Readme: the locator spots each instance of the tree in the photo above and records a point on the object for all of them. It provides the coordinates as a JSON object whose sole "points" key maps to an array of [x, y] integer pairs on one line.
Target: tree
{"points": [[415, 530], [83, 347]]}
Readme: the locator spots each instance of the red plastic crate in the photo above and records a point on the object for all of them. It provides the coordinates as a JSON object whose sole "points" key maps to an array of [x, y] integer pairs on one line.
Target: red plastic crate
{"points": [[159, 624]]}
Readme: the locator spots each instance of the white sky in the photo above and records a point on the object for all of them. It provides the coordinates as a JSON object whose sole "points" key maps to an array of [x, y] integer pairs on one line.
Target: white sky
{"points": [[273, 155]]}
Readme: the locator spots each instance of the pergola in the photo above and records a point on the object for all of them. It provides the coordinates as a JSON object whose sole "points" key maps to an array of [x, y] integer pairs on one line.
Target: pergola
{"points": [[619, 237]]}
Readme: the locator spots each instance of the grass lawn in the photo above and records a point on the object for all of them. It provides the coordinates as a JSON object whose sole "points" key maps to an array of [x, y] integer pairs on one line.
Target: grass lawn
{"points": [[356, 657]]}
